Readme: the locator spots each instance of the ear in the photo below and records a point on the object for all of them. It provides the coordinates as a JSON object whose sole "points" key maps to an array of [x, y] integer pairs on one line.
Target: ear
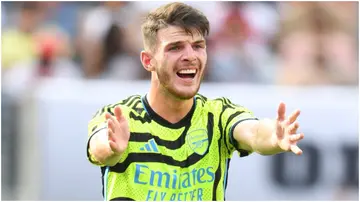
{"points": [[146, 60]]}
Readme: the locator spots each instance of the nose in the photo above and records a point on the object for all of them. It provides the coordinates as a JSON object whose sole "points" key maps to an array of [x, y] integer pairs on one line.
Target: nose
{"points": [[188, 54]]}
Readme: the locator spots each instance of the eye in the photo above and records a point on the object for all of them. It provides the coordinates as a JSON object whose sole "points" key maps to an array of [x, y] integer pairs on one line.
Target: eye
{"points": [[174, 48], [198, 46]]}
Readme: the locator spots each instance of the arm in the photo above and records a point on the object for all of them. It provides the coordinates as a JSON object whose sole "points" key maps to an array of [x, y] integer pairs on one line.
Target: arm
{"points": [[107, 144], [100, 151], [268, 137]]}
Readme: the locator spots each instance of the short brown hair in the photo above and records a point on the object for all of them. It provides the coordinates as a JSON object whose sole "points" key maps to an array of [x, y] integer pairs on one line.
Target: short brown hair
{"points": [[175, 14]]}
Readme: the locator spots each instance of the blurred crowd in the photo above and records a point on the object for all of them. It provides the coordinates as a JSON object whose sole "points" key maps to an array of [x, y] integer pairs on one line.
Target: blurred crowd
{"points": [[286, 43], [281, 43]]}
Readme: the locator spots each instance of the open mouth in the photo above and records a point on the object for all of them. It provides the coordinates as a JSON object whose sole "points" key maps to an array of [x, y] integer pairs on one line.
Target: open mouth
{"points": [[187, 73]]}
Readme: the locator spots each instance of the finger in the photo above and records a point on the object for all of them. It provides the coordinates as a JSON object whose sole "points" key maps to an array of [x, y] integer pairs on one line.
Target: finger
{"points": [[118, 113], [294, 116], [293, 128], [111, 135], [108, 115], [279, 130], [114, 147], [115, 122], [297, 137], [111, 124], [281, 112], [296, 149]]}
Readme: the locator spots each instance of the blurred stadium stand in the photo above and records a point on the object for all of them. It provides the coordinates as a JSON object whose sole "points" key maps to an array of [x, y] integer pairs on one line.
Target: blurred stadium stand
{"points": [[302, 52]]}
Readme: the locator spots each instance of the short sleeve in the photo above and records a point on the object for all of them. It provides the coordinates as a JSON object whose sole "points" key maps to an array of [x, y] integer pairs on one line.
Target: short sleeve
{"points": [[233, 114]]}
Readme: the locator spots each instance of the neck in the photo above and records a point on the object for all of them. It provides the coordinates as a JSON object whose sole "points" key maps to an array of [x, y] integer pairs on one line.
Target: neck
{"points": [[166, 105]]}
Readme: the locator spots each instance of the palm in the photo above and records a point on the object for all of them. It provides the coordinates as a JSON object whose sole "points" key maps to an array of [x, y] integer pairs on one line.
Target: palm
{"points": [[286, 129], [119, 132]]}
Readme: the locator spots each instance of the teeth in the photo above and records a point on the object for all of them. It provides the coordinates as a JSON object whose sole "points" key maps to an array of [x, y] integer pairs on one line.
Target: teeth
{"points": [[188, 71]]}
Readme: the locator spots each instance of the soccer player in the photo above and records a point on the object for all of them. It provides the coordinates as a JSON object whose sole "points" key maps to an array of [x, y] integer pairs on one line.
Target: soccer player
{"points": [[173, 143]]}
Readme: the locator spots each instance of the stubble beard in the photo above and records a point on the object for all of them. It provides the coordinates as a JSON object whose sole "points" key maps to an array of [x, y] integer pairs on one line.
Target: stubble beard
{"points": [[165, 83]]}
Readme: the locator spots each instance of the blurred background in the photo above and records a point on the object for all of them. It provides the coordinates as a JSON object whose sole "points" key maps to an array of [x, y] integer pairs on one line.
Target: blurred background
{"points": [[62, 61]]}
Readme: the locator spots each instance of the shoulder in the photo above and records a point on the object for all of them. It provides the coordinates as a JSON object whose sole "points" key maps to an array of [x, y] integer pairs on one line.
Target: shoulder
{"points": [[216, 103], [126, 105], [220, 106]]}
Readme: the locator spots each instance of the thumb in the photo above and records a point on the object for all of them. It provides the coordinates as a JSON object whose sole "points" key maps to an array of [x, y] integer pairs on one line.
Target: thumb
{"points": [[279, 129], [281, 111]]}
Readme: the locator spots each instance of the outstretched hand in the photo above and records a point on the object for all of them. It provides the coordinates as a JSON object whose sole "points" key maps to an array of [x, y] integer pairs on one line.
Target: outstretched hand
{"points": [[286, 130], [118, 131]]}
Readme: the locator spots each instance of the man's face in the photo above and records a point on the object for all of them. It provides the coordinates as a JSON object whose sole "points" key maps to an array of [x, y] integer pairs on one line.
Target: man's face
{"points": [[180, 61]]}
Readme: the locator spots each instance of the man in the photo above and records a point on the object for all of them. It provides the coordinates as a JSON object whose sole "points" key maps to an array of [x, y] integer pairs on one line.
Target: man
{"points": [[17, 43], [172, 143]]}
